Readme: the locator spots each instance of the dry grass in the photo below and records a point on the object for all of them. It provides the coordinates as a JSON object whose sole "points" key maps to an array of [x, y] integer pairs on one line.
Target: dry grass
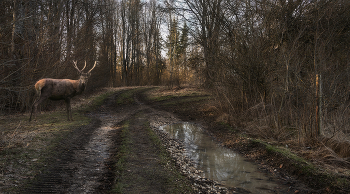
{"points": [[162, 93], [331, 152], [17, 132]]}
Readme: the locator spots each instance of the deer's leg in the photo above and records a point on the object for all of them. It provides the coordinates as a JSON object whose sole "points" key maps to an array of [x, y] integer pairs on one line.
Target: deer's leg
{"points": [[38, 101], [34, 107], [69, 110]]}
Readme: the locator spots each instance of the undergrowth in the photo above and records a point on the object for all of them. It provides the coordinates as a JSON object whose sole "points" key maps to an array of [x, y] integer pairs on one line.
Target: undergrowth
{"points": [[305, 170]]}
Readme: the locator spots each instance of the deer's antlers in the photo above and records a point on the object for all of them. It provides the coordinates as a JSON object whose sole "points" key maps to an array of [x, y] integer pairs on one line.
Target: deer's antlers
{"points": [[81, 71], [92, 67], [76, 67]]}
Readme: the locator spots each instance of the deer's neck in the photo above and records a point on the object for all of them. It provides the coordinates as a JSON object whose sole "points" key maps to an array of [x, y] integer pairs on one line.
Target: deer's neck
{"points": [[81, 86]]}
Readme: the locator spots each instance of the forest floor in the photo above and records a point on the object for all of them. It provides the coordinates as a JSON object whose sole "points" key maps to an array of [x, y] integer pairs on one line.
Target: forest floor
{"points": [[111, 147]]}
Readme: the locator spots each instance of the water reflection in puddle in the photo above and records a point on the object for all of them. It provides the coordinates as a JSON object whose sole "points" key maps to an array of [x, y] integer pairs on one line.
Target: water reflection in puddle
{"points": [[219, 163]]}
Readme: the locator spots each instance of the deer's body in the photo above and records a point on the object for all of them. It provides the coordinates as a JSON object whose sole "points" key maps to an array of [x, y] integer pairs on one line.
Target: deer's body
{"points": [[60, 89]]}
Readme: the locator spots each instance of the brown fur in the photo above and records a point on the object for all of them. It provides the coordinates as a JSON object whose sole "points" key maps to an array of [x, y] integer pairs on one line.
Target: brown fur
{"points": [[60, 89], [40, 84]]}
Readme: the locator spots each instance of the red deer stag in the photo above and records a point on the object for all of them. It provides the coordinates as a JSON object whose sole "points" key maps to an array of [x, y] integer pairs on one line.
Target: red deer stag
{"points": [[60, 89]]}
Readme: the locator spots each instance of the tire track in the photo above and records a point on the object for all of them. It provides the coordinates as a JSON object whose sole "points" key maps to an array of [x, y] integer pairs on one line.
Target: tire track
{"points": [[81, 165]]}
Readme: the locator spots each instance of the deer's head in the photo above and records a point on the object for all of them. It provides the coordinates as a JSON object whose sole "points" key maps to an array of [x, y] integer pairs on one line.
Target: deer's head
{"points": [[83, 76]]}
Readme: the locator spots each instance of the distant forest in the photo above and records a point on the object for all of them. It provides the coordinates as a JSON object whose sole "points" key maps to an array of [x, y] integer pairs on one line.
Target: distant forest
{"points": [[282, 64]]}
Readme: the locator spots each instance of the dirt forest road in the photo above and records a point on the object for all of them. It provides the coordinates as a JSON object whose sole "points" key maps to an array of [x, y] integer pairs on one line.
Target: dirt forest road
{"points": [[86, 163], [120, 149]]}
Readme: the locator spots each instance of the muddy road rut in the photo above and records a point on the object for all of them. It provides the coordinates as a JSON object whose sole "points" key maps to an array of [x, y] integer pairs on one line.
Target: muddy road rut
{"points": [[85, 163]]}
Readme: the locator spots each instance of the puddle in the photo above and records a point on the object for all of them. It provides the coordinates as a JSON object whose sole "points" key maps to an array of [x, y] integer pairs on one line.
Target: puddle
{"points": [[219, 163]]}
